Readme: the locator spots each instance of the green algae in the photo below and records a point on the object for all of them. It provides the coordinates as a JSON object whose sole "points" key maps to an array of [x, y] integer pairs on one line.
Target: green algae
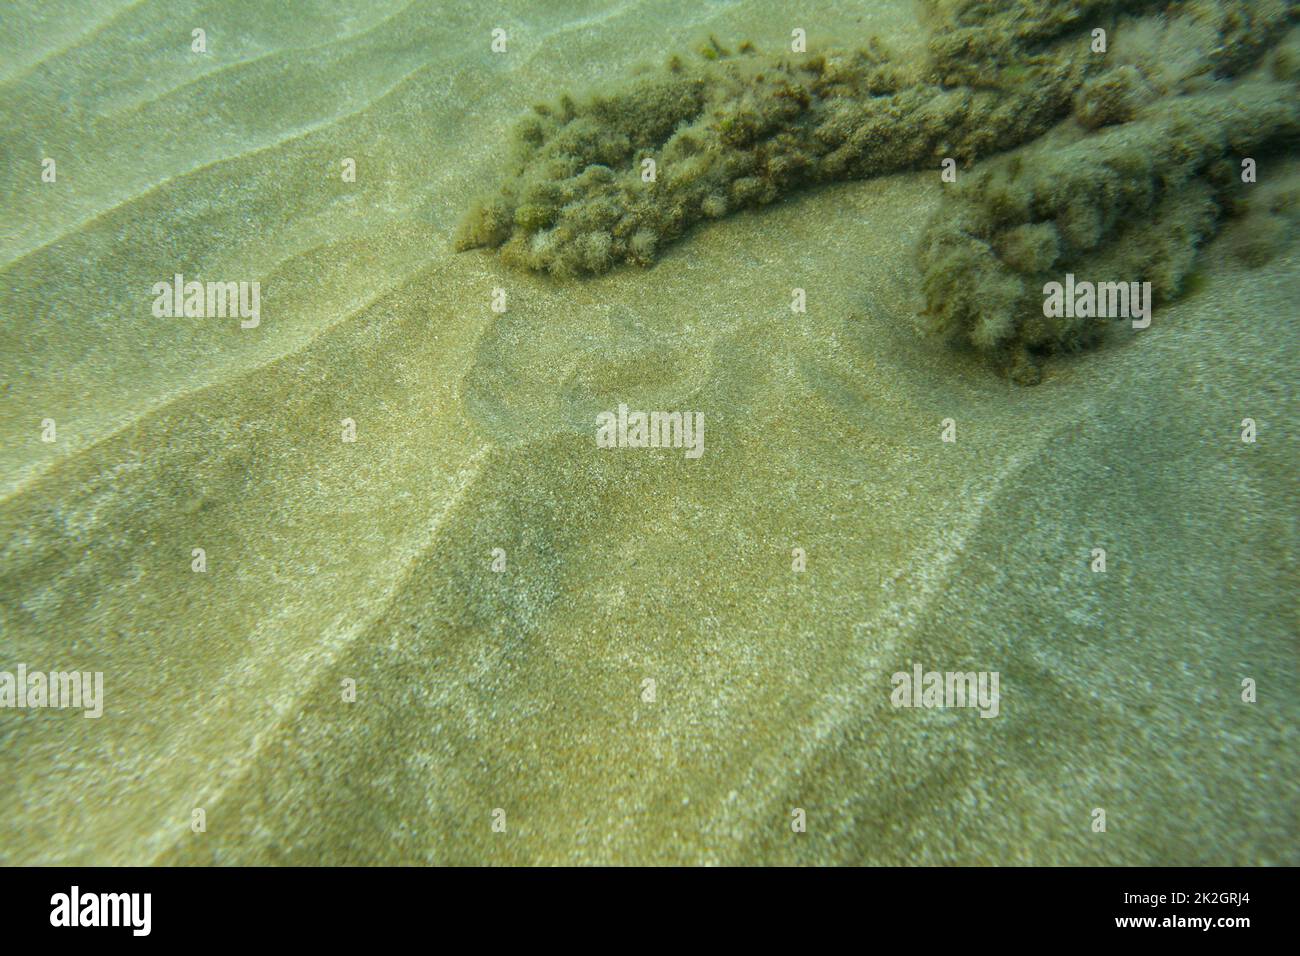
{"points": [[1134, 181], [706, 137], [1129, 202], [1268, 221]]}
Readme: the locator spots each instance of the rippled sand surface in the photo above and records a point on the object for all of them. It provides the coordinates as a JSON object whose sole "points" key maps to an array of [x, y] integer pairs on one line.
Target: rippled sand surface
{"points": [[524, 691]]}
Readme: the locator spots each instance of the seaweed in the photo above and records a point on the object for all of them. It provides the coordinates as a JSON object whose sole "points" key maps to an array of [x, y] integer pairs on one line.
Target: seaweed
{"points": [[1125, 203], [731, 131], [1121, 159]]}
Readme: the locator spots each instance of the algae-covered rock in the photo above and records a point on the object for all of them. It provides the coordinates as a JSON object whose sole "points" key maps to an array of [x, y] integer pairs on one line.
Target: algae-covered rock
{"points": [[1125, 204], [616, 176], [1131, 187], [723, 131], [976, 40], [1269, 221], [1113, 97]]}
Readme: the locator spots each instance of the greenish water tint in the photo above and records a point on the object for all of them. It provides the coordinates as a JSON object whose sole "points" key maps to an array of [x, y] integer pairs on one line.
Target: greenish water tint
{"points": [[430, 602]]}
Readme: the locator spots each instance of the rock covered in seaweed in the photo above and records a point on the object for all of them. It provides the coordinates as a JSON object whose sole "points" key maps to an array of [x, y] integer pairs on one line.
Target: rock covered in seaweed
{"points": [[1128, 203], [1130, 190], [729, 131]]}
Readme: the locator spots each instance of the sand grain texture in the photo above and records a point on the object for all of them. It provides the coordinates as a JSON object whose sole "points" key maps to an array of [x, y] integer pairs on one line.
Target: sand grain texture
{"points": [[522, 690]]}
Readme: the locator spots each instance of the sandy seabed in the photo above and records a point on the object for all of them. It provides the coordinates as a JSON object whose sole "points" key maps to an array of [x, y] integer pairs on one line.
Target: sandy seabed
{"points": [[524, 691]]}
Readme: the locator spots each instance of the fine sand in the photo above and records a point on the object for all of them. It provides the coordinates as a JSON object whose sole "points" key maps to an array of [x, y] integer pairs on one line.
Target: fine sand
{"points": [[525, 691]]}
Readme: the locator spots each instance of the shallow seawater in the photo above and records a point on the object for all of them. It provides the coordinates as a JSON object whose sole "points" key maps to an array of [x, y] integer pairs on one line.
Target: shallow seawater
{"points": [[364, 587]]}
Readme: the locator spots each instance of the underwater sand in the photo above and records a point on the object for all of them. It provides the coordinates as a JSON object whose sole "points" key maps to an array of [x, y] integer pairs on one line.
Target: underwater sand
{"points": [[522, 690]]}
